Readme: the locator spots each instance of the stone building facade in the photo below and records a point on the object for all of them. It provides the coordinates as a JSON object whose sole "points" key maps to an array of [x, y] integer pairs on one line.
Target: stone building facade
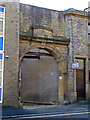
{"points": [[42, 45]]}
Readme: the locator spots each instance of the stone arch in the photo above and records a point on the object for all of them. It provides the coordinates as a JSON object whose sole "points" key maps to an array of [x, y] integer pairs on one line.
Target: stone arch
{"points": [[52, 50], [60, 63]]}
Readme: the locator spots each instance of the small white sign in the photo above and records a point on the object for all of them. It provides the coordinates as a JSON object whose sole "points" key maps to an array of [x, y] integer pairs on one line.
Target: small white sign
{"points": [[75, 65]]}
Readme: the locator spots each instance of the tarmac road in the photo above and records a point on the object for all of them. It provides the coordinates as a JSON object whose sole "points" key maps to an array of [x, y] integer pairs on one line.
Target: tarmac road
{"points": [[77, 111]]}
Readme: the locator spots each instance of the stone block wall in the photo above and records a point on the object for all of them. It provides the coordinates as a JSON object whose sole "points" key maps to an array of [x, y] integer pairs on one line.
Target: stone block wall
{"points": [[76, 29], [11, 65], [31, 16]]}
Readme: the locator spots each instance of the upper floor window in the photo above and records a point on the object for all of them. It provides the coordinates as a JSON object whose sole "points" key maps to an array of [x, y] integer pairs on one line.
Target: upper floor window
{"points": [[1, 20]]}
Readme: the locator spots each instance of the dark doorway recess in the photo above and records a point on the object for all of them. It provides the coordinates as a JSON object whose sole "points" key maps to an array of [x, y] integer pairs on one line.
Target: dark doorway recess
{"points": [[80, 80]]}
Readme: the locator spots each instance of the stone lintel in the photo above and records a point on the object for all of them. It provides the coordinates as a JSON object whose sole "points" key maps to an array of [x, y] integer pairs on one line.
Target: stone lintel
{"points": [[44, 38]]}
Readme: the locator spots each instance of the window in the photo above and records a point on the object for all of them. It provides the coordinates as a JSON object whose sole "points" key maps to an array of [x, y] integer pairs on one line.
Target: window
{"points": [[1, 44], [1, 16], [1, 58], [0, 78], [2, 20], [0, 64], [1, 28]]}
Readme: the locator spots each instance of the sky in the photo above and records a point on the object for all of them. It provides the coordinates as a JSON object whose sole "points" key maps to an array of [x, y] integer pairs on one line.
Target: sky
{"points": [[58, 4]]}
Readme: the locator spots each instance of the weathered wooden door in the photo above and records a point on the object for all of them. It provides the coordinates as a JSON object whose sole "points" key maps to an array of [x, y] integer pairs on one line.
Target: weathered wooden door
{"points": [[89, 75], [80, 80]]}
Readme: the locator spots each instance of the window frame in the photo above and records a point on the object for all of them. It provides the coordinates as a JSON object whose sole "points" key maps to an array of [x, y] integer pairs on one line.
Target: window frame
{"points": [[2, 19]]}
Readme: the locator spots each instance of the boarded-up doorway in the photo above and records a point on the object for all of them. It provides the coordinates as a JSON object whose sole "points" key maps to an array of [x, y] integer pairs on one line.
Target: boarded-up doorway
{"points": [[80, 80], [39, 82]]}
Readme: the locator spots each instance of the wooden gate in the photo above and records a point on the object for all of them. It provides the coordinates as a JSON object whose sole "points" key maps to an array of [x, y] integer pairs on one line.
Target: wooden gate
{"points": [[89, 75]]}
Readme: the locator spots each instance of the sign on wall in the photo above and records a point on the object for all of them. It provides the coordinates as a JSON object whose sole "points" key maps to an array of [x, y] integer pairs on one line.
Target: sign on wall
{"points": [[75, 65], [2, 22]]}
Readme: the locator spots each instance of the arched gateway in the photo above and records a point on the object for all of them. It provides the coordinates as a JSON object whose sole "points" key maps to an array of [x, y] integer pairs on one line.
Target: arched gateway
{"points": [[43, 69]]}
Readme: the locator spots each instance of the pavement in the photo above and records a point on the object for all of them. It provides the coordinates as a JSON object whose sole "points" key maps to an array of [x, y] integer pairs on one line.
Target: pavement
{"points": [[49, 111]]}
